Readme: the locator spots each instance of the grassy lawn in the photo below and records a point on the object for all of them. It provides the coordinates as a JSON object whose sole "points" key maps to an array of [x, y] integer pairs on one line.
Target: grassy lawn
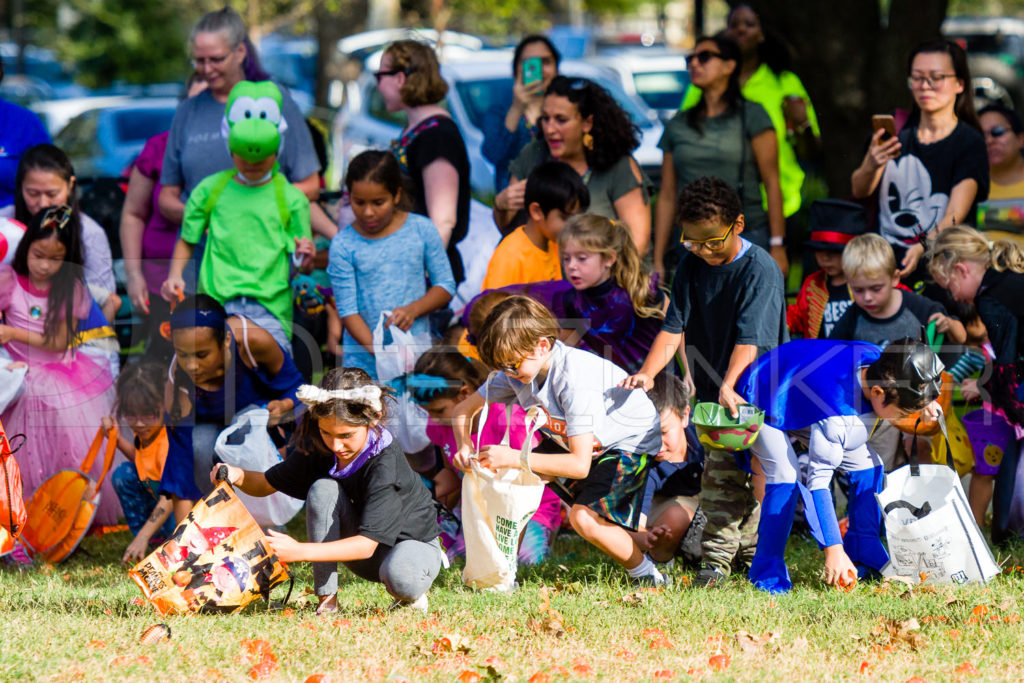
{"points": [[574, 618]]}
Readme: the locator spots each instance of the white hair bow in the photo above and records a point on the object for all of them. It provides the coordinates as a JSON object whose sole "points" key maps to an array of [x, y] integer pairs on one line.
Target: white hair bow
{"points": [[369, 395]]}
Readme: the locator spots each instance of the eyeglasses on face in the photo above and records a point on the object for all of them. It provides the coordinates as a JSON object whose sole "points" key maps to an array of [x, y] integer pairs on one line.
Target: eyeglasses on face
{"points": [[931, 80], [512, 369], [713, 244], [702, 57], [199, 62], [997, 132]]}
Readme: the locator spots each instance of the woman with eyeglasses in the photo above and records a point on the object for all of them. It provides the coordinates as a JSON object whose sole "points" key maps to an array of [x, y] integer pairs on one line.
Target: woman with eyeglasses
{"points": [[723, 136], [583, 126], [934, 172], [1004, 140], [223, 56], [507, 131], [431, 151]]}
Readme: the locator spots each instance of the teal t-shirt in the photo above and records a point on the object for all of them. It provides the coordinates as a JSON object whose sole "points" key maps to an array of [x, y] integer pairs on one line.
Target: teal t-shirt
{"points": [[247, 250], [721, 149]]}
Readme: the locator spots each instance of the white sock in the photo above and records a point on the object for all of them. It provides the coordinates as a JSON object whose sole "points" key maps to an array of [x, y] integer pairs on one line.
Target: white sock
{"points": [[645, 568]]}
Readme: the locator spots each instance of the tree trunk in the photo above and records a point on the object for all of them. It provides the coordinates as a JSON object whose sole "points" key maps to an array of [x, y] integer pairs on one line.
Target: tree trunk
{"points": [[333, 24], [853, 62]]}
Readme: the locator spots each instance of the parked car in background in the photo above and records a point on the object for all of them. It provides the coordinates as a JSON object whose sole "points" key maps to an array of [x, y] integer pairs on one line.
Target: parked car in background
{"points": [[656, 76], [102, 141], [57, 113], [42, 66], [995, 54], [476, 85]]}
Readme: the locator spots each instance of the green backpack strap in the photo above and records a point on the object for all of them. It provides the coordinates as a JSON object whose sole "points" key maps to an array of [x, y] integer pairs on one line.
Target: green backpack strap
{"points": [[280, 182], [223, 178]]}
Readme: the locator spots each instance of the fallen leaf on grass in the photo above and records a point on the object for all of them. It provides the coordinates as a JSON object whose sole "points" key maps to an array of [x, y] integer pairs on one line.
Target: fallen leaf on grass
{"points": [[318, 678], [953, 633], [468, 676], [915, 679], [138, 602], [661, 644], [266, 668], [341, 623], [652, 634], [636, 598], [573, 588], [979, 610], [582, 669], [97, 644], [626, 655], [967, 669], [449, 643], [865, 667], [749, 643], [540, 677], [548, 620], [663, 675], [256, 648], [719, 662], [894, 632]]}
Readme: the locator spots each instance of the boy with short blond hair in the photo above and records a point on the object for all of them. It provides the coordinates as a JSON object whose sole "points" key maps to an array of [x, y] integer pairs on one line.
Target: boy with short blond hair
{"points": [[610, 433], [882, 311]]}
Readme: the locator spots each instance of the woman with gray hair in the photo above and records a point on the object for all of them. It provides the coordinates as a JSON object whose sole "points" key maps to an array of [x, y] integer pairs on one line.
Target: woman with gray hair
{"points": [[222, 56]]}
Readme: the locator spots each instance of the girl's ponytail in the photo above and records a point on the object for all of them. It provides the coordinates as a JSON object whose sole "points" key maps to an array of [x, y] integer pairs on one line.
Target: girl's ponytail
{"points": [[442, 372], [1007, 255], [610, 238], [960, 243]]}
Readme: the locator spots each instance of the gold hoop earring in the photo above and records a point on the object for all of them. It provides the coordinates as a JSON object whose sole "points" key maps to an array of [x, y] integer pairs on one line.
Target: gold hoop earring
{"points": [[588, 141]]}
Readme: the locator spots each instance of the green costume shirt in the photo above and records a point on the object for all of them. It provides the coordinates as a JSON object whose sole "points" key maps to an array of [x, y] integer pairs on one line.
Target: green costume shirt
{"points": [[769, 90], [247, 250]]}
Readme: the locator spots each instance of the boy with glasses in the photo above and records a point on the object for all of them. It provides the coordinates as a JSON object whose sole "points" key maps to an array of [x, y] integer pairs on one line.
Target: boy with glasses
{"points": [[727, 308], [611, 434]]}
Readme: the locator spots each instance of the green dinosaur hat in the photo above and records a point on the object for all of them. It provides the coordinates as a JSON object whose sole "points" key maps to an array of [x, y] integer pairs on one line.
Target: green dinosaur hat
{"points": [[253, 123]]}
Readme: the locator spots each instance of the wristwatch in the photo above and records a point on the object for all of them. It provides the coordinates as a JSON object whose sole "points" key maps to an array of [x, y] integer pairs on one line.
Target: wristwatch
{"points": [[776, 241]]}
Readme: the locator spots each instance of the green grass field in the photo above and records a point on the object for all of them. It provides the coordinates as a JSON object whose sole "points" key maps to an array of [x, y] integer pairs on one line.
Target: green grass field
{"points": [[574, 618]]}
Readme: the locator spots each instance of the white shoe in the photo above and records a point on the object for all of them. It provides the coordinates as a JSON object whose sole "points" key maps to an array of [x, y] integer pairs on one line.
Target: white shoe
{"points": [[419, 604]]}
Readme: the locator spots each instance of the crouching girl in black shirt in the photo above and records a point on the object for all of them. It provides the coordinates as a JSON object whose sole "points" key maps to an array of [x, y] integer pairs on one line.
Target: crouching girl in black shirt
{"points": [[365, 507]]}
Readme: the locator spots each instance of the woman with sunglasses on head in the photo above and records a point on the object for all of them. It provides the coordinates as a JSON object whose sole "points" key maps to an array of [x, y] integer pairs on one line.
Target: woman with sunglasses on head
{"points": [[431, 152], [723, 136], [583, 126], [223, 56], [931, 175], [1004, 140]]}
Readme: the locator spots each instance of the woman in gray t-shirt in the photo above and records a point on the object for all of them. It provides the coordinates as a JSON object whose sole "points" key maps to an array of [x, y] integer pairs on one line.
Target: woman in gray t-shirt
{"points": [[727, 137], [223, 56]]}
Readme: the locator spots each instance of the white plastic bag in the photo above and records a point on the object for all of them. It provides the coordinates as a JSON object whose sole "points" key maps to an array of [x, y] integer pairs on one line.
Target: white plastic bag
{"points": [[495, 510], [396, 353], [12, 382], [930, 528], [247, 444]]}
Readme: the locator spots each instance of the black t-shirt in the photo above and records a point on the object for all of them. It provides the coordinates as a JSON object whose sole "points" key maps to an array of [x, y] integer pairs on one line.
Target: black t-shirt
{"points": [[443, 141], [391, 500], [718, 307], [909, 321], [914, 190], [838, 301], [1000, 303]]}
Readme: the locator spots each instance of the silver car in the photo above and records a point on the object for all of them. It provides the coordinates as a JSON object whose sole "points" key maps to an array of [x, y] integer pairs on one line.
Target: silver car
{"points": [[478, 83]]}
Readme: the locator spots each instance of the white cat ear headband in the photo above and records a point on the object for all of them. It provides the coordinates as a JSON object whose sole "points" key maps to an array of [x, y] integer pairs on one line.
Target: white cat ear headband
{"points": [[313, 395]]}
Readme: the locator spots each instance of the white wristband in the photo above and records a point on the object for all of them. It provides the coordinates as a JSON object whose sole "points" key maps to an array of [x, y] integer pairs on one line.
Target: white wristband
{"points": [[776, 241]]}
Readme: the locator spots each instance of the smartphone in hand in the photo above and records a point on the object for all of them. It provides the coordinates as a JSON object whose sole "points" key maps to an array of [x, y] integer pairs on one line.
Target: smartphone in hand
{"points": [[886, 122], [532, 70]]}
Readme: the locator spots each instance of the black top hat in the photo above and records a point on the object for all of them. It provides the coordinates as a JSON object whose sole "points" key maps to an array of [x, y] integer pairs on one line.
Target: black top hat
{"points": [[833, 223]]}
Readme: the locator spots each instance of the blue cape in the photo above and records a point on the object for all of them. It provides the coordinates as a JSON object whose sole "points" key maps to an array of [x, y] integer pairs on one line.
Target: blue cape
{"points": [[807, 380]]}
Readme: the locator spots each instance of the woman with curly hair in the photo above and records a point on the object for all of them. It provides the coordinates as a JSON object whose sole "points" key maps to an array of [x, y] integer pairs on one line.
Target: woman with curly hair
{"points": [[431, 151], [724, 136], [582, 125]]}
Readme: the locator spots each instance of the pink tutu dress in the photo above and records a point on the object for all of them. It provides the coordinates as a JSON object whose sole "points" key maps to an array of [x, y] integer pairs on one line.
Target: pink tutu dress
{"points": [[65, 396]]}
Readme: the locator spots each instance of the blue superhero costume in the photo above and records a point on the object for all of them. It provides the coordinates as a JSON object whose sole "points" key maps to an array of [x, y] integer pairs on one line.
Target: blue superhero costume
{"points": [[815, 383]]}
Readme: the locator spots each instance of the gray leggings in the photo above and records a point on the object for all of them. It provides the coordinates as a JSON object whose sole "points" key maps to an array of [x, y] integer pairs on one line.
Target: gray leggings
{"points": [[407, 569]]}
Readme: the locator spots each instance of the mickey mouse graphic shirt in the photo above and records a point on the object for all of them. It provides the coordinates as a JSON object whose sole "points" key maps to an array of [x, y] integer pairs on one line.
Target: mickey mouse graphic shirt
{"points": [[915, 187]]}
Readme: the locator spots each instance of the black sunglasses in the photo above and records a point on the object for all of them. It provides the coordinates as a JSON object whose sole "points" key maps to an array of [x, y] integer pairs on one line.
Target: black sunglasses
{"points": [[389, 72], [997, 131], [703, 57]]}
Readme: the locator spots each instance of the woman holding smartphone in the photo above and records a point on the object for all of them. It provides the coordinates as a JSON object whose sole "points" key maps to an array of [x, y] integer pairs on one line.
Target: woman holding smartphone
{"points": [[932, 174], [506, 132]]}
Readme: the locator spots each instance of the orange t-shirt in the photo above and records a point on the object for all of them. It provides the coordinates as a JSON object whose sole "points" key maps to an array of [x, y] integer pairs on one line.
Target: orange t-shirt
{"points": [[149, 460], [517, 260]]}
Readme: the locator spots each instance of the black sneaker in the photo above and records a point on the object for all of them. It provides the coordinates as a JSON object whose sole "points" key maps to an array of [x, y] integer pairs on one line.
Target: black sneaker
{"points": [[709, 577]]}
